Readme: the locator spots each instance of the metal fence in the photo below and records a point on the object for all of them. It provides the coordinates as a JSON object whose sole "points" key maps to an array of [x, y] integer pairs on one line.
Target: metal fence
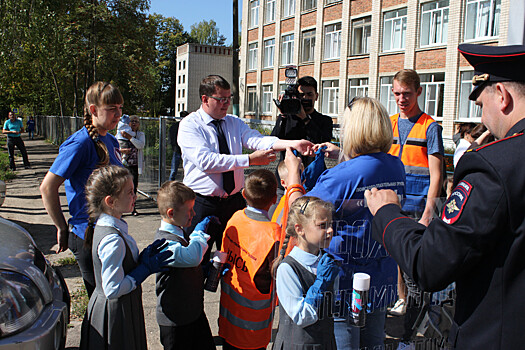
{"points": [[157, 150]]}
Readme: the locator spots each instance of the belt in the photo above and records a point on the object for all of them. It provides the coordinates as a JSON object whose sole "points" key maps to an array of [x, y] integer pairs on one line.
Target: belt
{"points": [[217, 199]]}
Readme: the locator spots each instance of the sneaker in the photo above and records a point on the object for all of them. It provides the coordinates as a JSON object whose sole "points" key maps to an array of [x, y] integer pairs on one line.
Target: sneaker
{"points": [[399, 308]]}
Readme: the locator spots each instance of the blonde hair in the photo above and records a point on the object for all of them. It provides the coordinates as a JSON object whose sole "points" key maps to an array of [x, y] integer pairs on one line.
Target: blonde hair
{"points": [[173, 194], [282, 170], [366, 128], [105, 181], [302, 209], [98, 94]]}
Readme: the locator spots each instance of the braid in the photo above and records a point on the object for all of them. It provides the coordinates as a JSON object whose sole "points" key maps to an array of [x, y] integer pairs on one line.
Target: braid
{"points": [[280, 258], [100, 147]]}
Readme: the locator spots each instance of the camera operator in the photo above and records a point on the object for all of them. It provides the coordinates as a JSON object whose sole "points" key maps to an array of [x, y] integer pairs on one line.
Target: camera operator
{"points": [[306, 123]]}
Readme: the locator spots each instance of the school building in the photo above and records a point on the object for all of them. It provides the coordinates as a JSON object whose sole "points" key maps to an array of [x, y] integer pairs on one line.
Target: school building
{"points": [[354, 48]]}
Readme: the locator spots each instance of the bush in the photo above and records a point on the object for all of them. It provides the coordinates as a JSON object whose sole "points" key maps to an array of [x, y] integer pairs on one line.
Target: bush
{"points": [[5, 172]]}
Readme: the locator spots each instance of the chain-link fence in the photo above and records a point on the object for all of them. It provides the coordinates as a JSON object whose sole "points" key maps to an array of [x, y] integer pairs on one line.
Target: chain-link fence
{"points": [[157, 150]]}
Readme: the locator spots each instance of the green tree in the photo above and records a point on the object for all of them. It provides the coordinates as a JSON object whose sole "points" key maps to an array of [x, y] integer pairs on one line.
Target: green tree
{"points": [[206, 32]]}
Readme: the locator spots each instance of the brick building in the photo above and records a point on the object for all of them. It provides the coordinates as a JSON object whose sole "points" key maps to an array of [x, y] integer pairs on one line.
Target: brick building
{"points": [[354, 47], [194, 62]]}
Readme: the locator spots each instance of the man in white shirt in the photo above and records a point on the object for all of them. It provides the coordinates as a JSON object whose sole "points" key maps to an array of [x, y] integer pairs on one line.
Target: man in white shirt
{"points": [[214, 168]]}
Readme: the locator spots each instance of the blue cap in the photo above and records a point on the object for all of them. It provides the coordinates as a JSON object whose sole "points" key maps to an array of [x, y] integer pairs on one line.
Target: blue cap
{"points": [[494, 64]]}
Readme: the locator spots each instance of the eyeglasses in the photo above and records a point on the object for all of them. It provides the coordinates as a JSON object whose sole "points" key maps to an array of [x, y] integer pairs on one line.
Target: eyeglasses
{"points": [[222, 99]]}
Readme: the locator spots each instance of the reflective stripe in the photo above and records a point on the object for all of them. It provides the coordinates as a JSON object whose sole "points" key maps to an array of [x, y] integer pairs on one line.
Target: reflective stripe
{"points": [[239, 299], [249, 325], [416, 142], [417, 170]]}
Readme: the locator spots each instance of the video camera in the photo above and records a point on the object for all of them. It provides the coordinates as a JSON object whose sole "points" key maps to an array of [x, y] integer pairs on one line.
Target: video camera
{"points": [[292, 99]]}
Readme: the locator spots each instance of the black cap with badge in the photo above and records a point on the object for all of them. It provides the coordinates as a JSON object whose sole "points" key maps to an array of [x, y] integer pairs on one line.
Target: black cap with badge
{"points": [[494, 64]]}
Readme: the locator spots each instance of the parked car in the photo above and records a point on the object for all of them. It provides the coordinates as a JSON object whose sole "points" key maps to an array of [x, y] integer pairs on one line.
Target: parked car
{"points": [[34, 299]]}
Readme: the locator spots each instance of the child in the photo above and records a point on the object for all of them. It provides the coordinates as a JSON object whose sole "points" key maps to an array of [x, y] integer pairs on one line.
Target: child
{"points": [[304, 277], [250, 240], [124, 127], [180, 290], [115, 317]]}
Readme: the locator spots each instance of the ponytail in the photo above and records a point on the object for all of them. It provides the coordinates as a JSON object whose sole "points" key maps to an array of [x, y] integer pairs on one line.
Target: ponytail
{"points": [[88, 235]]}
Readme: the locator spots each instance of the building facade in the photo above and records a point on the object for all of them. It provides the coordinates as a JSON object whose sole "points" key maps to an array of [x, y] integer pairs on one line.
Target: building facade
{"points": [[195, 62], [354, 48]]}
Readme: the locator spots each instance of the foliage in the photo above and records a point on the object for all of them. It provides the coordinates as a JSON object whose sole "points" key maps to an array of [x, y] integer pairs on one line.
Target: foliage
{"points": [[207, 33], [65, 261], [79, 302], [5, 172]]}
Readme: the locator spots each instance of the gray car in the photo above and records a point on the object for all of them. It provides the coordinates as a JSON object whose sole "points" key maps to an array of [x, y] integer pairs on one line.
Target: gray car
{"points": [[34, 299]]}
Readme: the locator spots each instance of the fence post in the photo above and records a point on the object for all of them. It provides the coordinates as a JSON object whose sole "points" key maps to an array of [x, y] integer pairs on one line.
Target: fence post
{"points": [[162, 150]]}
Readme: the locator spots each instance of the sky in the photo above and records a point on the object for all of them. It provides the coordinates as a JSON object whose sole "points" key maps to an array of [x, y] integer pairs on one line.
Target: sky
{"points": [[193, 11]]}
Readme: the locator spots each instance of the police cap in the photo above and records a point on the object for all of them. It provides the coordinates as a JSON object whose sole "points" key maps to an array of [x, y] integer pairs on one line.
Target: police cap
{"points": [[494, 64]]}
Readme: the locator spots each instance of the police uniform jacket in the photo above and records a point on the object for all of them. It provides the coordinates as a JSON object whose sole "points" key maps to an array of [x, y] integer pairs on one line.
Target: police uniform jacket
{"points": [[479, 243]]}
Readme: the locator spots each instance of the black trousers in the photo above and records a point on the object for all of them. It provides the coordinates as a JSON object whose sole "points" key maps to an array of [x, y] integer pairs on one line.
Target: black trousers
{"points": [[19, 143], [193, 336], [223, 208], [84, 261]]}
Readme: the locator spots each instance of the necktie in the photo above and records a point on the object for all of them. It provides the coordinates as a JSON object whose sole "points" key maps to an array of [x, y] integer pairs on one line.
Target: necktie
{"points": [[228, 181]]}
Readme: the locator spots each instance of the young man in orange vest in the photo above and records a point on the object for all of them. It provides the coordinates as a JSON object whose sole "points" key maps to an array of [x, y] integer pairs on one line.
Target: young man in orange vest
{"points": [[418, 143], [247, 291]]}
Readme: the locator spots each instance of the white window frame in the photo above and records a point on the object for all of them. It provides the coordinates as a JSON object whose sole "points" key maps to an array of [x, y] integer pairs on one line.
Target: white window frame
{"points": [[251, 99], [308, 5], [467, 109], [310, 48], [287, 47], [394, 30], [386, 97], [434, 23], [254, 13], [330, 97], [329, 2], [267, 95], [482, 18], [269, 53], [357, 87], [253, 49], [431, 98], [361, 33], [332, 41], [269, 11], [288, 8]]}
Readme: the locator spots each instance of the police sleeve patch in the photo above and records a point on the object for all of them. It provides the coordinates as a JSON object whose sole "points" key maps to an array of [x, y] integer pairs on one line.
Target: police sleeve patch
{"points": [[456, 202]]}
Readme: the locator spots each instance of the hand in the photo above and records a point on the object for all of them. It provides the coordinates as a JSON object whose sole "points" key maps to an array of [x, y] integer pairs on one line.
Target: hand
{"points": [[376, 199], [330, 151], [62, 240], [126, 135], [425, 219], [327, 270], [203, 225], [262, 157], [304, 146], [151, 260], [292, 162]]}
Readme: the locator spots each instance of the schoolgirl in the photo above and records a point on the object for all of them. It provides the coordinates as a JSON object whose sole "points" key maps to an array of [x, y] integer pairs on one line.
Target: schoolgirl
{"points": [[115, 317], [305, 278]]}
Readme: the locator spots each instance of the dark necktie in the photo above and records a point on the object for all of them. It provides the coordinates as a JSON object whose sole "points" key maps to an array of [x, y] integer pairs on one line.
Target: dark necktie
{"points": [[228, 181]]}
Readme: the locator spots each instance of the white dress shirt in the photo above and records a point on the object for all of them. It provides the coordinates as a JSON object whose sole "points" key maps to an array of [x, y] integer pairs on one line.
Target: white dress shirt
{"points": [[290, 292], [111, 252], [203, 163]]}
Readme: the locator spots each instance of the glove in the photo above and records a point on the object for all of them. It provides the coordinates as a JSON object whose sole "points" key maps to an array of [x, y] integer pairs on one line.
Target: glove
{"points": [[314, 170], [203, 225], [152, 259], [327, 271]]}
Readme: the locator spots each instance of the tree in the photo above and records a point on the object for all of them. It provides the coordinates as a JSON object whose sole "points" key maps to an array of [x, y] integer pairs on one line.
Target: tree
{"points": [[206, 32]]}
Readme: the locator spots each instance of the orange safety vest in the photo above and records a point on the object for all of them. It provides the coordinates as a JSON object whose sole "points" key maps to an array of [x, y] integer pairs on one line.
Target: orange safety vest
{"points": [[246, 315], [414, 152]]}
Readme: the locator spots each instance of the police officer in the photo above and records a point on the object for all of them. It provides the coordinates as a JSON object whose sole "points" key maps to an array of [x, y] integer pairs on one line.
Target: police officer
{"points": [[479, 242]]}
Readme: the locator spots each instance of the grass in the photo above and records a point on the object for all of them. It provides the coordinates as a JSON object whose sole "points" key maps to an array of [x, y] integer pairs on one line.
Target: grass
{"points": [[79, 302], [5, 172], [65, 261]]}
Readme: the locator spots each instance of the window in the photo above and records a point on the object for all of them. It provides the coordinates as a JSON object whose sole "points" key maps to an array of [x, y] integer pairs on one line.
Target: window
{"points": [[328, 2], [395, 26], [431, 98], [251, 99], [482, 19], [183, 64], [269, 13], [287, 49], [308, 46], [361, 31], [434, 23], [254, 13], [184, 79], [183, 93], [309, 4], [178, 93], [330, 96], [180, 65], [179, 79], [267, 99], [332, 41], [357, 87], [288, 8], [252, 56], [467, 108], [386, 97], [269, 48]]}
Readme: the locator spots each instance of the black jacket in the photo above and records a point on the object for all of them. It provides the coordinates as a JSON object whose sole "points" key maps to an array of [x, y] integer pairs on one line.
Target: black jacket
{"points": [[479, 243]]}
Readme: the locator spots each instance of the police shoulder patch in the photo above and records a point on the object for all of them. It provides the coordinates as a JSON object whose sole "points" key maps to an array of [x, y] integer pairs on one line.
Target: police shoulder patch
{"points": [[456, 202]]}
